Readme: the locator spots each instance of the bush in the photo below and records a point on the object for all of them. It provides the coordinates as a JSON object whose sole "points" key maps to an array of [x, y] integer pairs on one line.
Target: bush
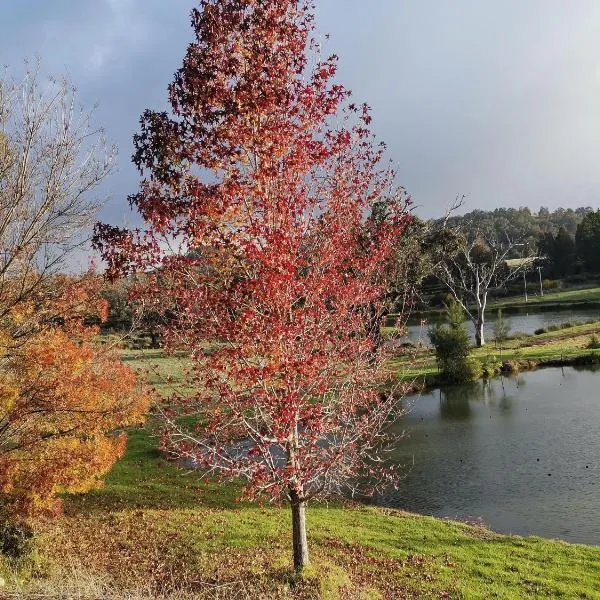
{"points": [[449, 343], [564, 325], [518, 335], [16, 539], [551, 284], [139, 342], [462, 370], [589, 360], [438, 300], [452, 346], [594, 343], [501, 328], [559, 327], [518, 365], [490, 367], [578, 279]]}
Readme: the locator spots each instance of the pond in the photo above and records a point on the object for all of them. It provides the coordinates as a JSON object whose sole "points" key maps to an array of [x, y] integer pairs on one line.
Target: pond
{"points": [[520, 322], [520, 454]]}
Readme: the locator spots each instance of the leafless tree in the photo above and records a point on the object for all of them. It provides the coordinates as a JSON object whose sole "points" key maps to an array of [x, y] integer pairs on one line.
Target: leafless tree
{"points": [[478, 267], [52, 159]]}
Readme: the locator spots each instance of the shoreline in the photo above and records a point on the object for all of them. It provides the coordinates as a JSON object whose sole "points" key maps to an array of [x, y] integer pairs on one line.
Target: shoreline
{"points": [[431, 382], [567, 347]]}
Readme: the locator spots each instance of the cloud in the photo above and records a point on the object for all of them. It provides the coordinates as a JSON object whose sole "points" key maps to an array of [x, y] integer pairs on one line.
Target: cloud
{"points": [[497, 100]]}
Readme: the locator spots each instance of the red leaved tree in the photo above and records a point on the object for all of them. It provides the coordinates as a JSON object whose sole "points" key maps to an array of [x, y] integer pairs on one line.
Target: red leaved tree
{"points": [[262, 255]]}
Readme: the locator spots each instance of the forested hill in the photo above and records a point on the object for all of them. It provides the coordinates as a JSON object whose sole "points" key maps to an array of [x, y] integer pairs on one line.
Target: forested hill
{"points": [[522, 222], [568, 238]]}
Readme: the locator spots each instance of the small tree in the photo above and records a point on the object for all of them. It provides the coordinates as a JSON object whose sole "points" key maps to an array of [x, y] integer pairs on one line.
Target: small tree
{"points": [[260, 242], [61, 397], [453, 346], [420, 249], [587, 241], [52, 160]]}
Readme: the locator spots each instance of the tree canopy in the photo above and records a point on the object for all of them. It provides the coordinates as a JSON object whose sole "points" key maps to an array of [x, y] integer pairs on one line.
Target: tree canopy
{"points": [[268, 171]]}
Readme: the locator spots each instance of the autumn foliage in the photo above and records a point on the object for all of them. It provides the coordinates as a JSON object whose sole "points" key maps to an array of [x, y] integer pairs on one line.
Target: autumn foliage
{"points": [[63, 400], [261, 252]]}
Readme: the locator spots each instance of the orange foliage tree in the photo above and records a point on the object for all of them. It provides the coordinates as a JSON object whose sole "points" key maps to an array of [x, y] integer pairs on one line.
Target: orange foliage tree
{"points": [[64, 401]]}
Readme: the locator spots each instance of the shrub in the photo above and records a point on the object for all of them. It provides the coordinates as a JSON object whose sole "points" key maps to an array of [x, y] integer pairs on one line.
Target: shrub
{"points": [[439, 299], [589, 360], [449, 343], [501, 330], [452, 346], [518, 335], [551, 284], [16, 539], [463, 370], [518, 365], [490, 367], [594, 343]]}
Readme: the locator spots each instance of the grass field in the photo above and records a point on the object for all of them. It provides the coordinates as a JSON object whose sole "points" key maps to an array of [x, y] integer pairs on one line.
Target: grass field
{"points": [[155, 531], [578, 297]]}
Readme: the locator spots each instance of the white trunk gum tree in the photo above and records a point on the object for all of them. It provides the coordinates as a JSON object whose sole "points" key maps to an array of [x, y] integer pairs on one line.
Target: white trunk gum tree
{"points": [[478, 267]]}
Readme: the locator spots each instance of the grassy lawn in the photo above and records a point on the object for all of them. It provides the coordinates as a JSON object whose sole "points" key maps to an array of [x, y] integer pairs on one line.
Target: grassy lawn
{"points": [[580, 296], [156, 531]]}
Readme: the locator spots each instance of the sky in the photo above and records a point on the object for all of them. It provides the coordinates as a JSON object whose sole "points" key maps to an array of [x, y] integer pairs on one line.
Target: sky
{"points": [[498, 100]]}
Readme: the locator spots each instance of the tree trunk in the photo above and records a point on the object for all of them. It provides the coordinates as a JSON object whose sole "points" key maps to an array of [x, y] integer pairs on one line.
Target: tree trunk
{"points": [[300, 540], [481, 304], [479, 335], [374, 322]]}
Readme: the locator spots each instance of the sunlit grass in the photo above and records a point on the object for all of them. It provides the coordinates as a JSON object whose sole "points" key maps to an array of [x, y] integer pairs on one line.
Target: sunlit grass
{"points": [[157, 528], [562, 344], [158, 531], [562, 297]]}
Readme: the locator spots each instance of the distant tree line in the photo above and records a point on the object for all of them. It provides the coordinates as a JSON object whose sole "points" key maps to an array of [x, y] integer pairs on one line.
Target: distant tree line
{"points": [[568, 239]]}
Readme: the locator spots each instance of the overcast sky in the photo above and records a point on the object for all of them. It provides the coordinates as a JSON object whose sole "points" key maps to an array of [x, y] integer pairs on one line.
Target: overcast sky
{"points": [[495, 99]]}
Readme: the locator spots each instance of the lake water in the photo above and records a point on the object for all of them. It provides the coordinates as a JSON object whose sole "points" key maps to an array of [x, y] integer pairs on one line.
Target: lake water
{"points": [[521, 454], [521, 322]]}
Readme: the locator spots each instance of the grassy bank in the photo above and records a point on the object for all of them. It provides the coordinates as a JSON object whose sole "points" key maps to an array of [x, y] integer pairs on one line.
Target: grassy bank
{"points": [[560, 347], [578, 298], [572, 299], [155, 531]]}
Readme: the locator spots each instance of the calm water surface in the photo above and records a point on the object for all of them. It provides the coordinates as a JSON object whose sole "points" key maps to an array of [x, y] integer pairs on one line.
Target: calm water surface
{"points": [[521, 454], [522, 322]]}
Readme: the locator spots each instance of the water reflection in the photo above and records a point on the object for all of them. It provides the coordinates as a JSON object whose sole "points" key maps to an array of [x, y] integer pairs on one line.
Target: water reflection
{"points": [[521, 453], [588, 368], [455, 403]]}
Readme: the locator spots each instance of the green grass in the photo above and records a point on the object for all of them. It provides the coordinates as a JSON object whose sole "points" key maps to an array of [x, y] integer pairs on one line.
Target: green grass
{"points": [[573, 298], [152, 514], [580, 296], [144, 479], [165, 374], [157, 531]]}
